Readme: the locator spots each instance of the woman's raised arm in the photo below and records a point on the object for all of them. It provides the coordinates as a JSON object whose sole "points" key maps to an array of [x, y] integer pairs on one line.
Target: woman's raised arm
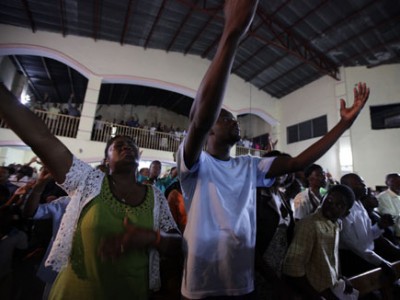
{"points": [[33, 132]]}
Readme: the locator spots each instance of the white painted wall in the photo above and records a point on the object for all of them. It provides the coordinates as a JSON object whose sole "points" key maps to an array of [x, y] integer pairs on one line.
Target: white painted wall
{"points": [[375, 152], [309, 102], [253, 126]]}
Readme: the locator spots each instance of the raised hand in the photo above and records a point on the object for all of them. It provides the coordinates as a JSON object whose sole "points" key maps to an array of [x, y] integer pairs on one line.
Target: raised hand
{"points": [[361, 94], [44, 175], [23, 189], [239, 15]]}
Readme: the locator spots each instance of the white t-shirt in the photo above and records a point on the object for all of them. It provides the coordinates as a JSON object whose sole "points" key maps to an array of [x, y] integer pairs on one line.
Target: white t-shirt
{"points": [[219, 239]]}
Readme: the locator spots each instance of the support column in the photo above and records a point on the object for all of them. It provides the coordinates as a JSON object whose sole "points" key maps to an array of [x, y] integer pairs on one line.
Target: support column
{"points": [[233, 149], [345, 149], [89, 108]]}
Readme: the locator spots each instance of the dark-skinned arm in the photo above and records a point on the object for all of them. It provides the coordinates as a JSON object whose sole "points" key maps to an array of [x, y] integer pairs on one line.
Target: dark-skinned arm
{"points": [[283, 165], [34, 133], [19, 195], [33, 200], [208, 101]]}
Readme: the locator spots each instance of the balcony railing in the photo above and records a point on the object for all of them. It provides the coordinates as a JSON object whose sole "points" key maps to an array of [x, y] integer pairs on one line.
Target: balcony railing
{"points": [[64, 125], [144, 138], [61, 125]]}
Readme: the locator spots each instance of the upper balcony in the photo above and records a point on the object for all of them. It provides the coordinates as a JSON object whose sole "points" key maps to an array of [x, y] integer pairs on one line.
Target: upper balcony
{"points": [[67, 126]]}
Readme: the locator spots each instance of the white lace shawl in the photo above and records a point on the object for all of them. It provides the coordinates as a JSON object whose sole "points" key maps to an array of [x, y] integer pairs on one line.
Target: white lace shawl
{"points": [[83, 183]]}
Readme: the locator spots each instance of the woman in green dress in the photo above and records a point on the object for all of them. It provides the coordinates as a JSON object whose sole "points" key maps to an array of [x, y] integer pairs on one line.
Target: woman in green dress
{"points": [[113, 229]]}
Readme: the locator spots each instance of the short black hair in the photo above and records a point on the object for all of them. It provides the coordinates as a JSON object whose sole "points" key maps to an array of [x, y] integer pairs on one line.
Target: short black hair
{"points": [[155, 162], [26, 171], [345, 191], [311, 168], [391, 176], [346, 179]]}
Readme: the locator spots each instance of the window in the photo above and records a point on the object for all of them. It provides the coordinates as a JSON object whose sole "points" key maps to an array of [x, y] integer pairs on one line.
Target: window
{"points": [[385, 116], [307, 130]]}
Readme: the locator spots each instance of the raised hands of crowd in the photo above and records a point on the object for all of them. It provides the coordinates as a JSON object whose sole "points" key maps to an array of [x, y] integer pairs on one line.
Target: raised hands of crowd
{"points": [[19, 195]]}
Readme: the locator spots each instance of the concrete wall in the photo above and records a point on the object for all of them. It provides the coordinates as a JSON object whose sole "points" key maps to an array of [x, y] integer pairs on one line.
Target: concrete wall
{"points": [[312, 101], [375, 152]]}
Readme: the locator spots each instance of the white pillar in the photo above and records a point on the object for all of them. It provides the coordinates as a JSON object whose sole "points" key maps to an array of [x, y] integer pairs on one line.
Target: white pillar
{"points": [[345, 149], [89, 108]]}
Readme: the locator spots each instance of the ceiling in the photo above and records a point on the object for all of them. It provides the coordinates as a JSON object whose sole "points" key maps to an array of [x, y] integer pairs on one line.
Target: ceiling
{"points": [[290, 44]]}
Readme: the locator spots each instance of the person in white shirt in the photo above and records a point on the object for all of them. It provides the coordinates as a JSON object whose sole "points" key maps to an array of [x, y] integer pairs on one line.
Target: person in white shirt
{"points": [[357, 238], [389, 200], [219, 190], [307, 201]]}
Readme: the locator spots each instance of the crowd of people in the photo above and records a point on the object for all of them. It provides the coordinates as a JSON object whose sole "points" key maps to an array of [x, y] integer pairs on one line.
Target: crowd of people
{"points": [[290, 255], [217, 227], [53, 108]]}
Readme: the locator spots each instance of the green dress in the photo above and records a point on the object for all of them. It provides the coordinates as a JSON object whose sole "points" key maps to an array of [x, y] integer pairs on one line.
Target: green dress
{"points": [[86, 276]]}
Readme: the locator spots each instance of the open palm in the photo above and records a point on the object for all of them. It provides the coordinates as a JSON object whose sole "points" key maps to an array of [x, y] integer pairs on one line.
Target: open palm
{"points": [[361, 94]]}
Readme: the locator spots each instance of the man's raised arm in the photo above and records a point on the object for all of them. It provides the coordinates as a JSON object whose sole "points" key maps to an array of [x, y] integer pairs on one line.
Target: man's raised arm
{"points": [[283, 165], [208, 101]]}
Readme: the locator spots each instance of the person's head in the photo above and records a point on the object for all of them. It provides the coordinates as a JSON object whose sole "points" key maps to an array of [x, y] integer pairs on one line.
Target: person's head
{"points": [[155, 169], [24, 171], [337, 202], [315, 176], [356, 183], [4, 174], [369, 201], [393, 182], [121, 153], [144, 172], [173, 172], [226, 129]]}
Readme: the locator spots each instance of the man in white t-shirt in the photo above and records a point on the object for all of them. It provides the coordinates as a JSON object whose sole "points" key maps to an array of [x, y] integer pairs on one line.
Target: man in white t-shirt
{"points": [[220, 191]]}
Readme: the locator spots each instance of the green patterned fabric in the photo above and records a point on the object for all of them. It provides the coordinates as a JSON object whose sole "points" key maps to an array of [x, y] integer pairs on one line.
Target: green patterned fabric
{"points": [[86, 276]]}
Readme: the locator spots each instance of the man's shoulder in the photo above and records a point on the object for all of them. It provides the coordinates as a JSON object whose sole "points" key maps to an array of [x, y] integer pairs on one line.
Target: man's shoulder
{"points": [[384, 195]]}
